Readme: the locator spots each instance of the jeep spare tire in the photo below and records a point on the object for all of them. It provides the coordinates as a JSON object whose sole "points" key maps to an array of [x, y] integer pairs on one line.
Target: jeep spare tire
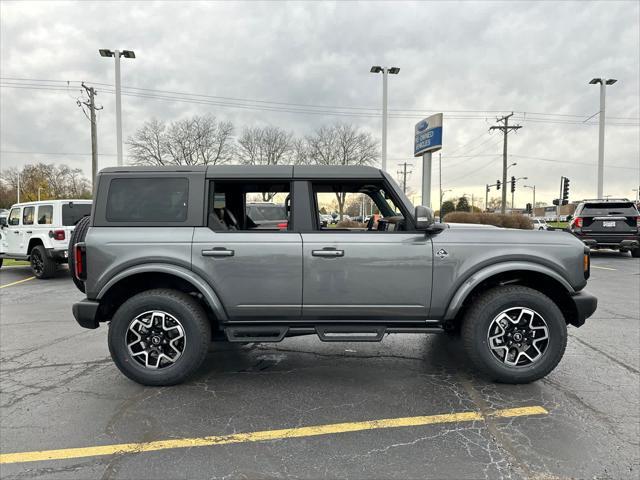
{"points": [[78, 235]]}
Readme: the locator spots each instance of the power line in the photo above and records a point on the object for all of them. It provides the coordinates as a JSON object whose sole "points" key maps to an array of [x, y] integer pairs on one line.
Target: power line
{"points": [[367, 111]]}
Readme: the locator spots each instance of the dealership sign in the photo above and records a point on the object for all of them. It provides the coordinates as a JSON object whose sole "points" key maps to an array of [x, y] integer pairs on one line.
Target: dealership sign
{"points": [[428, 135]]}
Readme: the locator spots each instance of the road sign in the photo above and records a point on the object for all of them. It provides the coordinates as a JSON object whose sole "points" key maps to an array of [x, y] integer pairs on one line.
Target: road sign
{"points": [[428, 135]]}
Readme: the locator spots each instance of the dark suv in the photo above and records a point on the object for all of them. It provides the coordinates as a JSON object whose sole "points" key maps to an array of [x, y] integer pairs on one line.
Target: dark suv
{"points": [[610, 223]]}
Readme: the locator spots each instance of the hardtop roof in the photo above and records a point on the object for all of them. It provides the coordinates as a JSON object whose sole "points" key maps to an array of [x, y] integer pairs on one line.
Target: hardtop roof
{"points": [[262, 171]]}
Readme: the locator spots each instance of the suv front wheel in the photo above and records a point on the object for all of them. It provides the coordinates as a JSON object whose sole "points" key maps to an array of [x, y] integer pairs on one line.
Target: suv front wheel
{"points": [[159, 337], [514, 334]]}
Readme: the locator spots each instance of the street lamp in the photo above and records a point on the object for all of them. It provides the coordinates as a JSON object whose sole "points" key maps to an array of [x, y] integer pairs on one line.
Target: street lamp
{"points": [[533, 205], [117, 54], [603, 82], [512, 165], [385, 71]]}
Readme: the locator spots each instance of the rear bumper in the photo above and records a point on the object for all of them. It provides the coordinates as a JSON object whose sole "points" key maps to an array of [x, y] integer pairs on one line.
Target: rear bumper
{"points": [[86, 313], [60, 256], [585, 305], [596, 240]]}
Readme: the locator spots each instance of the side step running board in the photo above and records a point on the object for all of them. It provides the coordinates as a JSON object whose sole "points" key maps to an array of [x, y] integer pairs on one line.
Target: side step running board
{"points": [[256, 334], [350, 333]]}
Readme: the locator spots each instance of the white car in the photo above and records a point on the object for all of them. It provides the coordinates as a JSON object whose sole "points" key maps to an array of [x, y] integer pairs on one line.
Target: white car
{"points": [[540, 224], [39, 232]]}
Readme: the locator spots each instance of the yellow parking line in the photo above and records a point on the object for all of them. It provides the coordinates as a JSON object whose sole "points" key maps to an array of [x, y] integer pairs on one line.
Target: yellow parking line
{"points": [[311, 431], [603, 268], [16, 283]]}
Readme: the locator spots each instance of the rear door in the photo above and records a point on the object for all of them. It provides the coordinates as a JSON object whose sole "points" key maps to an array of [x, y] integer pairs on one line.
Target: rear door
{"points": [[255, 270]]}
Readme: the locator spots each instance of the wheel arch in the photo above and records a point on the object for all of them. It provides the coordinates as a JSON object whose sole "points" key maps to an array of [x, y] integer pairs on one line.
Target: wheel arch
{"points": [[537, 277], [33, 241], [150, 276]]}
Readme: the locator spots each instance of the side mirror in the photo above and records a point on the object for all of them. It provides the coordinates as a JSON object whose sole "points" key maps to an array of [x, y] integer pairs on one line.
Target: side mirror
{"points": [[424, 217]]}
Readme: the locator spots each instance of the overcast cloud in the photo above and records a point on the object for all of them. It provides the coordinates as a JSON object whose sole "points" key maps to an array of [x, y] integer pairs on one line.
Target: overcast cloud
{"points": [[534, 57]]}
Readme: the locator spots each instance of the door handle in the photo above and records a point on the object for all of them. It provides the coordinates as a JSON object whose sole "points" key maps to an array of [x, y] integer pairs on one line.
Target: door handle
{"points": [[16, 232], [218, 252], [327, 252], [28, 231]]}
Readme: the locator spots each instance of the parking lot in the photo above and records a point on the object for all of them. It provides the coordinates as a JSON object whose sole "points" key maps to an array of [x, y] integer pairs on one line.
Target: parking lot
{"points": [[408, 407]]}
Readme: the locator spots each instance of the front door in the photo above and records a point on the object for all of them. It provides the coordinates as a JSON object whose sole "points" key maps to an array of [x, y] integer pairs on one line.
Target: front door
{"points": [[253, 264], [369, 266]]}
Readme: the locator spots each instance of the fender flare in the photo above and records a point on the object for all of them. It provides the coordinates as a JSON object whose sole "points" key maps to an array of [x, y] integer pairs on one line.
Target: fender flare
{"points": [[475, 278], [194, 279]]}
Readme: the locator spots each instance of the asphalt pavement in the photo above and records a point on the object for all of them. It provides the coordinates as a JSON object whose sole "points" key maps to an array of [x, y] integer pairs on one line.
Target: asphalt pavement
{"points": [[408, 407]]}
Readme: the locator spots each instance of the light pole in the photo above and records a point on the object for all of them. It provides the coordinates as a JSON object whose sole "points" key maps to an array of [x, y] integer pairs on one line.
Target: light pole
{"points": [[637, 190], [39, 188], [385, 71], [117, 54], [533, 205], [442, 192], [603, 82]]}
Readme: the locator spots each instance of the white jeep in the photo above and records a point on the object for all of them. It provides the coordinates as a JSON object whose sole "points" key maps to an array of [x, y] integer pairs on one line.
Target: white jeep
{"points": [[39, 232]]}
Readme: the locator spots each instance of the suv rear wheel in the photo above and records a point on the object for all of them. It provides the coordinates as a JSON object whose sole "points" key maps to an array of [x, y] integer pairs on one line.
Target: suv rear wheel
{"points": [[159, 337], [41, 265], [514, 334]]}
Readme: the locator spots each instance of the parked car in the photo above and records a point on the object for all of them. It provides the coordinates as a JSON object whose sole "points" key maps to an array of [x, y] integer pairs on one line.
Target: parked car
{"points": [[539, 224], [267, 215], [176, 275], [39, 232], [608, 223]]}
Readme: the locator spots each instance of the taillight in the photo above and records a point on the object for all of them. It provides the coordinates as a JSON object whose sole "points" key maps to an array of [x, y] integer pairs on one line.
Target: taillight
{"points": [[577, 222], [57, 234], [637, 222], [283, 225], [586, 262], [80, 257]]}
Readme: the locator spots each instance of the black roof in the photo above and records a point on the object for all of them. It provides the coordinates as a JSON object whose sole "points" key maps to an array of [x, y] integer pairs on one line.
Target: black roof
{"points": [[263, 171]]}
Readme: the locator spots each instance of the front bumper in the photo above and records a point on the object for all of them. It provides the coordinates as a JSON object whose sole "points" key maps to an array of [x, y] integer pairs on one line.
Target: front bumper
{"points": [[86, 313], [585, 304]]}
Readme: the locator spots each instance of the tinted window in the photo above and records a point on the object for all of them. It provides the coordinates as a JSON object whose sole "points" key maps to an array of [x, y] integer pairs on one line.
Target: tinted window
{"points": [[609, 208], [14, 216], [45, 214], [73, 212], [267, 211], [27, 215], [148, 200]]}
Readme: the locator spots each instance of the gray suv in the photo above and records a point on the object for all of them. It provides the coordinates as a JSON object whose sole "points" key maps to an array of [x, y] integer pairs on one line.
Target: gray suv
{"points": [[172, 260]]}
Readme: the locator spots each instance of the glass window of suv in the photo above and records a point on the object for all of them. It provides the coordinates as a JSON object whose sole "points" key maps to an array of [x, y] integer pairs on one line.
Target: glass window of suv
{"points": [[72, 212], [246, 206], [14, 217], [603, 209], [45, 214], [159, 199], [365, 206], [27, 215]]}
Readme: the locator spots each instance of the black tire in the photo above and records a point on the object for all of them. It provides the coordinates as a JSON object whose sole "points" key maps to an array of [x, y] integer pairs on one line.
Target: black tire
{"points": [[479, 318], [1, 260], [197, 336], [78, 235], [635, 253], [41, 265]]}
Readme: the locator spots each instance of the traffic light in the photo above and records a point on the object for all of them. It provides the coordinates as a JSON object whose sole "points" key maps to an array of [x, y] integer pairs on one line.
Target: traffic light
{"points": [[529, 209], [488, 188], [556, 202], [565, 191], [498, 183], [513, 184]]}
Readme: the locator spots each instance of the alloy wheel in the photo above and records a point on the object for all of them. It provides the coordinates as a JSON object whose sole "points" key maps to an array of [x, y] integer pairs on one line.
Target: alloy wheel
{"points": [[155, 339], [518, 337]]}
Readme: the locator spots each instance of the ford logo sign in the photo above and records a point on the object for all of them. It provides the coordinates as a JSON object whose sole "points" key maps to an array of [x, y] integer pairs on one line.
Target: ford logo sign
{"points": [[422, 126]]}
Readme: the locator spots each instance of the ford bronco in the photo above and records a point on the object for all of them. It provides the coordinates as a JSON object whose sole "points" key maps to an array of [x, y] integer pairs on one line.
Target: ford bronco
{"points": [[172, 259]]}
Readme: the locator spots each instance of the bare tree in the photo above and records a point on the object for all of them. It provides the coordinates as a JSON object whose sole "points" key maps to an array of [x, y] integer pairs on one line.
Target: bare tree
{"points": [[342, 144], [200, 140], [265, 146]]}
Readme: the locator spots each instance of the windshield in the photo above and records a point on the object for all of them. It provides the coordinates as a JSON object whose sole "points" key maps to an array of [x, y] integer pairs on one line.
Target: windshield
{"points": [[73, 212], [609, 208]]}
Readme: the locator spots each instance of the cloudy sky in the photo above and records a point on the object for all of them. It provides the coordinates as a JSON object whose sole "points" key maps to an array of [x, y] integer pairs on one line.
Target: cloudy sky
{"points": [[301, 65]]}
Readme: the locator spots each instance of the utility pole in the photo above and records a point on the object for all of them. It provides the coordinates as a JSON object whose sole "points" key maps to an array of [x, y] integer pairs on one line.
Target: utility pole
{"points": [[404, 173], [91, 92], [18, 187], [505, 129]]}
